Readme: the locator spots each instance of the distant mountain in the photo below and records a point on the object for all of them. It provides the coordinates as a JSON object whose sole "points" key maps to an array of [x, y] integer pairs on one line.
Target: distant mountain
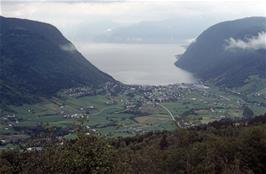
{"points": [[228, 52], [37, 61], [173, 30]]}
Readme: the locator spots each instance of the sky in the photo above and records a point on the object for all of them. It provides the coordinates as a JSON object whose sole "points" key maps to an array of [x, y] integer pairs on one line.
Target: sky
{"points": [[99, 16]]}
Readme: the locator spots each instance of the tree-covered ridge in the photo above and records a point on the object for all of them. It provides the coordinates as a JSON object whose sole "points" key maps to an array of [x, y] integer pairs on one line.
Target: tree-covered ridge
{"points": [[228, 53], [38, 61], [220, 147]]}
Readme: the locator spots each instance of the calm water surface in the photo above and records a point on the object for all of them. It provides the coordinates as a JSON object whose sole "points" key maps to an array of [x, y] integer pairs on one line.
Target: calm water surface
{"points": [[143, 64]]}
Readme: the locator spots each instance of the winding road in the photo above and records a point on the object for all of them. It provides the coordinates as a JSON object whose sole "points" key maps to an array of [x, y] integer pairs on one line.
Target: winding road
{"points": [[171, 115]]}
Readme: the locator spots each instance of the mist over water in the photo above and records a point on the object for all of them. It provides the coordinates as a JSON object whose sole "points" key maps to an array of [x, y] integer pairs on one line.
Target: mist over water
{"points": [[143, 64]]}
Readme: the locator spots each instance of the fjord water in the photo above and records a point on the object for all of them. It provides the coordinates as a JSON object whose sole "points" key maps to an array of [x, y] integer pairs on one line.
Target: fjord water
{"points": [[142, 64]]}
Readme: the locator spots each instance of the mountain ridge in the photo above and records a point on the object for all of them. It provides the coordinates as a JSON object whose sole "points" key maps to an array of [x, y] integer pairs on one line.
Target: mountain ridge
{"points": [[37, 61], [209, 59]]}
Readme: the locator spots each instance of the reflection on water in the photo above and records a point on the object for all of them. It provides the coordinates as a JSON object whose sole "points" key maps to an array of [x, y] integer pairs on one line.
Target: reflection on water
{"points": [[144, 64]]}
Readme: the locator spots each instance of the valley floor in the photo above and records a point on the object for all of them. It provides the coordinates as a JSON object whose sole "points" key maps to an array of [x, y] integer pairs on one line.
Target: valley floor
{"points": [[123, 111]]}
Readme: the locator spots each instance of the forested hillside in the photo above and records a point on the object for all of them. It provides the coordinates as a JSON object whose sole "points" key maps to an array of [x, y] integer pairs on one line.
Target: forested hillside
{"points": [[228, 53], [221, 147], [38, 61]]}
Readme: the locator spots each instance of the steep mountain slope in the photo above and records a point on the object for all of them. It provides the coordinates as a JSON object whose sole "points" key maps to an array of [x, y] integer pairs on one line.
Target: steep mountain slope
{"points": [[37, 61], [229, 52]]}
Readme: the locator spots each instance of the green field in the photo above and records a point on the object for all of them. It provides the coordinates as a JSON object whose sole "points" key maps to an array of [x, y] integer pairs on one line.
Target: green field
{"points": [[107, 119], [109, 115]]}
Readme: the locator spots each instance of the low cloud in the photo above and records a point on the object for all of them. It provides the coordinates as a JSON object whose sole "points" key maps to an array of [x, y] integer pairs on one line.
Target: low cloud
{"points": [[188, 42], [68, 47], [252, 43]]}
